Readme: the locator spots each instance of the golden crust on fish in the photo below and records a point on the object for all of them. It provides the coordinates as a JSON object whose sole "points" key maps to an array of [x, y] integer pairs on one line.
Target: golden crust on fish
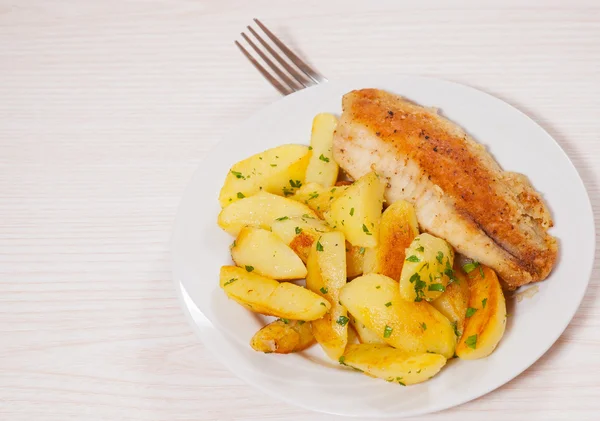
{"points": [[460, 193]]}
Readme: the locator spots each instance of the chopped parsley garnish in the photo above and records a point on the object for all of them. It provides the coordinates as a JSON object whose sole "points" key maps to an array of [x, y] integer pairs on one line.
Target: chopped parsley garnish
{"points": [[341, 360], [283, 218], [313, 195], [389, 303], [273, 165], [471, 311], [413, 259], [333, 190], [296, 184], [310, 148], [424, 326], [387, 332], [455, 327], [378, 286], [471, 341], [436, 287], [298, 230], [319, 246], [286, 321], [238, 174], [323, 158], [287, 192], [421, 249], [301, 322], [470, 267], [342, 321], [305, 215], [361, 250], [366, 230], [439, 257], [231, 281], [240, 195], [419, 285], [483, 303], [323, 304], [324, 290], [233, 244], [352, 212], [249, 268]]}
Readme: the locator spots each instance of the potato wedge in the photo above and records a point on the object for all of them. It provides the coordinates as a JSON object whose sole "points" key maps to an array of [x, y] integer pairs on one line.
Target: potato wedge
{"points": [[397, 230], [283, 336], [300, 233], [365, 335], [317, 197], [486, 314], [267, 296], [453, 303], [260, 211], [427, 268], [267, 254], [358, 211], [269, 171], [374, 300], [326, 276], [391, 364], [355, 258], [322, 168]]}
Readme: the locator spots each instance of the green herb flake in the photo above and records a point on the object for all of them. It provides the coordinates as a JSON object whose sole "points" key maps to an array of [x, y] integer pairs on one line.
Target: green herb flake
{"points": [[366, 230], [471, 311], [387, 332], [323, 158], [301, 322], [238, 174], [333, 190], [418, 285], [286, 321], [296, 184], [413, 259], [287, 192], [319, 246], [419, 371], [352, 212], [231, 281], [307, 216], [324, 290], [342, 359], [388, 304], [361, 250], [470, 267], [378, 286], [240, 195], [298, 230], [310, 148], [249, 268], [439, 257], [273, 165], [420, 249], [436, 287], [342, 321], [323, 304], [283, 218], [483, 303], [471, 341], [455, 327], [313, 195]]}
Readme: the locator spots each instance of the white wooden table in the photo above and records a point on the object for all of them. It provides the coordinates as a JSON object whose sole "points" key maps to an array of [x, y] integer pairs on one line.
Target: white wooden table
{"points": [[106, 109]]}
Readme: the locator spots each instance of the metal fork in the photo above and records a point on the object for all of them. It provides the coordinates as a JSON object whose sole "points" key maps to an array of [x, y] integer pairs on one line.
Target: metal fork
{"points": [[302, 75]]}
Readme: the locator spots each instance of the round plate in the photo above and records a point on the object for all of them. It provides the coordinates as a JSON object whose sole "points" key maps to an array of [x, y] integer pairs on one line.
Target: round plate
{"points": [[309, 379]]}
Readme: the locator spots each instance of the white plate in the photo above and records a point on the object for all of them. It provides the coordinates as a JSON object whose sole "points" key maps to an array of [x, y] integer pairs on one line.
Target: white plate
{"points": [[309, 379]]}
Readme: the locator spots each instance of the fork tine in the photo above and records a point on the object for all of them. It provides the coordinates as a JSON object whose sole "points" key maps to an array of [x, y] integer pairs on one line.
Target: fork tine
{"points": [[295, 73], [283, 90], [290, 54], [292, 84]]}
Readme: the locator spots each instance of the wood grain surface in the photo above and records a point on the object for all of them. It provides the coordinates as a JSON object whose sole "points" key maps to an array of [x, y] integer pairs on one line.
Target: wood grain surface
{"points": [[106, 109]]}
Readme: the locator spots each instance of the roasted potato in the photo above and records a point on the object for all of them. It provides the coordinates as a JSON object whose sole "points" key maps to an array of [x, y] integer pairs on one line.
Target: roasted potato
{"points": [[358, 211], [326, 276], [374, 300], [427, 268], [391, 364], [485, 316], [267, 296], [279, 170], [355, 257], [365, 335], [267, 254], [299, 233], [397, 230], [453, 303], [260, 211], [317, 197], [283, 336], [322, 168]]}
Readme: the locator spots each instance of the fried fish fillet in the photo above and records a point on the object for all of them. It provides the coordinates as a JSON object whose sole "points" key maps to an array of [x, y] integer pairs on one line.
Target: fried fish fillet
{"points": [[460, 193]]}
